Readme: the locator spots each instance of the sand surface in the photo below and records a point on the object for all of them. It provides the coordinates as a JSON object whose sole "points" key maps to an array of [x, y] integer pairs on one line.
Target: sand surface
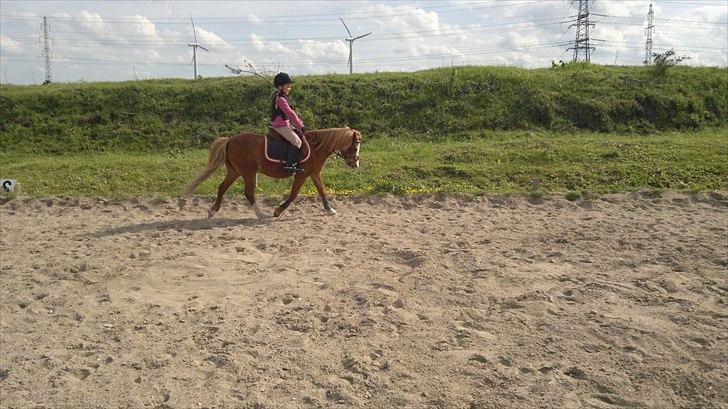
{"points": [[431, 302]]}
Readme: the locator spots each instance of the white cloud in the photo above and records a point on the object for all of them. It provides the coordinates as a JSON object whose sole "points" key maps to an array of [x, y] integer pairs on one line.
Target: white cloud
{"points": [[94, 22], [212, 40], [716, 14], [318, 49], [253, 19], [625, 8], [11, 46], [397, 18], [271, 46], [517, 40], [144, 26]]}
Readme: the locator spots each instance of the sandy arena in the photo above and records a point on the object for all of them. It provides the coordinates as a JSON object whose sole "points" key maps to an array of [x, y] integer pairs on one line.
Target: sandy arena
{"points": [[430, 302]]}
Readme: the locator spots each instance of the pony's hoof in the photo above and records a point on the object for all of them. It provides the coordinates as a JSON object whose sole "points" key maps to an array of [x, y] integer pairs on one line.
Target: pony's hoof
{"points": [[259, 212], [210, 213], [331, 212], [278, 212]]}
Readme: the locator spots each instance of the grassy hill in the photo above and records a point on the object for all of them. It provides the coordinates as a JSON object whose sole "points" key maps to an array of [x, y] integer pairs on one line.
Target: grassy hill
{"points": [[459, 103]]}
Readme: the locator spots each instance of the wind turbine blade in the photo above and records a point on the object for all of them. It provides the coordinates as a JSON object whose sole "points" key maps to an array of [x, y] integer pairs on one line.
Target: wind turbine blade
{"points": [[363, 35], [347, 28], [194, 31], [204, 48]]}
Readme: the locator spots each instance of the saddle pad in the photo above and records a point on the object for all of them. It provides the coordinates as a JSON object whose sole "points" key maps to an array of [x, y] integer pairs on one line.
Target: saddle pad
{"points": [[276, 147]]}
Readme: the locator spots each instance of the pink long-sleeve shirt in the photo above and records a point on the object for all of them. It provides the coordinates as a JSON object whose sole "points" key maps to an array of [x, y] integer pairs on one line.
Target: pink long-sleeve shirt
{"points": [[279, 122]]}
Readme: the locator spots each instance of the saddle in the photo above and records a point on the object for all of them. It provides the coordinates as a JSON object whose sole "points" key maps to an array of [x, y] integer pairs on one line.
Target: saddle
{"points": [[276, 147]]}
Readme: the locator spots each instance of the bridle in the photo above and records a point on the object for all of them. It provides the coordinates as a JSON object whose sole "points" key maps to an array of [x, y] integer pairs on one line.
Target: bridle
{"points": [[353, 158]]}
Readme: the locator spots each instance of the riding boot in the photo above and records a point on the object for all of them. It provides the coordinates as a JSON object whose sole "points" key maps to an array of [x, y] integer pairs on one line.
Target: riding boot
{"points": [[292, 160]]}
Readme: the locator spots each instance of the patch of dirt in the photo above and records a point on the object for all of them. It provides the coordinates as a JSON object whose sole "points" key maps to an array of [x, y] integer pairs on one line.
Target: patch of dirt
{"points": [[447, 302]]}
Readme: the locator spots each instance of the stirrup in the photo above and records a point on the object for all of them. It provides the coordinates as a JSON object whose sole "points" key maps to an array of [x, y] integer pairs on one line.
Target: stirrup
{"points": [[293, 168]]}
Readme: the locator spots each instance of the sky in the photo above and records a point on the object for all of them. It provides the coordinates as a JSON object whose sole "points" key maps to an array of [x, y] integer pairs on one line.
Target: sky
{"points": [[127, 40]]}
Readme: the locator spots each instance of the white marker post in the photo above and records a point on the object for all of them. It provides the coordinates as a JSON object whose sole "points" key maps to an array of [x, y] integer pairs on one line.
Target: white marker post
{"points": [[8, 185]]}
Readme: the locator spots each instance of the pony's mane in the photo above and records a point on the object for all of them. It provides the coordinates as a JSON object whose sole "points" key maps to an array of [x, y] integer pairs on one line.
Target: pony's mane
{"points": [[330, 139]]}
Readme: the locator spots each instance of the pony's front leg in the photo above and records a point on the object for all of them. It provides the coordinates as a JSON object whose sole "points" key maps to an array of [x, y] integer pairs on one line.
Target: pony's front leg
{"points": [[319, 183], [295, 189]]}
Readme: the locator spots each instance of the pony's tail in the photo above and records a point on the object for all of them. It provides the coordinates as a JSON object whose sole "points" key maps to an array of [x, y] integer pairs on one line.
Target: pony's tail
{"points": [[218, 153]]}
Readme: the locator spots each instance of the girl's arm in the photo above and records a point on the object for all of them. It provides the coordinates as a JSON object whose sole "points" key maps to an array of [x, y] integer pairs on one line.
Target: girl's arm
{"points": [[283, 105]]}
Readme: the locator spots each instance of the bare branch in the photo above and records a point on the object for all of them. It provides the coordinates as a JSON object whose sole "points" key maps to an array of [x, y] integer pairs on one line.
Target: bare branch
{"points": [[234, 70], [251, 70]]}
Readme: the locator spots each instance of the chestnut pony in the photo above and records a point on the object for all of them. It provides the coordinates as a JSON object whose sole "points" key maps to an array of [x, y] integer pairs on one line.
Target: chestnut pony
{"points": [[244, 157]]}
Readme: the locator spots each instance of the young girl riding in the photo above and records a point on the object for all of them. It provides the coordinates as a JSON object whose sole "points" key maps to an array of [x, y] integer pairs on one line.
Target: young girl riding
{"points": [[281, 117]]}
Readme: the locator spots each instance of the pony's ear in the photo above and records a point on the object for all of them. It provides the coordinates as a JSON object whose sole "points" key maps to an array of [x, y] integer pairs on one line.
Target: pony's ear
{"points": [[357, 135]]}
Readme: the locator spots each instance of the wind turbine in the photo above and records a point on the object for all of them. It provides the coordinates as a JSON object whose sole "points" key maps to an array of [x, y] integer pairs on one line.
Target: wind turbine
{"points": [[194, 47], [351, 40]]}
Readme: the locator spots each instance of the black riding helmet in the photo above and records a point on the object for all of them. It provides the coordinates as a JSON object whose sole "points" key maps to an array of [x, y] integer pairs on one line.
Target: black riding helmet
{"points": [[282, 79]]}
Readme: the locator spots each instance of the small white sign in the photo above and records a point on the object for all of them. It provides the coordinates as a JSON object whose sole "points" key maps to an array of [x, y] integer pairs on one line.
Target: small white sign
{"points": [[8, 185]]}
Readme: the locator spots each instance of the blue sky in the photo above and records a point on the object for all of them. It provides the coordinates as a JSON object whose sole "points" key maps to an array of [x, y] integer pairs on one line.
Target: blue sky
{"points": [[121, 40]]}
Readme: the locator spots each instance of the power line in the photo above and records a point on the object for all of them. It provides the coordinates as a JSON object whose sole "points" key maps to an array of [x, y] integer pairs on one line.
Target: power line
{"points": [[723, 23], [377, 50], [82, 61], [479, 51], [379, 37], [267, 19], [387, 37], [623, 23], [304, 18], [661, 45], [563, 33]]}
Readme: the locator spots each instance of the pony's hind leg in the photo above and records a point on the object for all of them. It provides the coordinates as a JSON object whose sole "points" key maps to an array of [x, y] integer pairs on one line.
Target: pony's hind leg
{"points": [[295, 189], [224, 186], [251, 181]]}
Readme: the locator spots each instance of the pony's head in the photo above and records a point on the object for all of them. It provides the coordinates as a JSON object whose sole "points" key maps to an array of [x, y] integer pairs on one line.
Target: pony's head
{"points": [[344, 142], [351, 154]]}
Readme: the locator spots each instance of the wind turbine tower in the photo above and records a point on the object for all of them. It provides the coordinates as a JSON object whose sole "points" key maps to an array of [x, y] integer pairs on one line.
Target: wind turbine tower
{"points": [[194, 47], [351, 40]]}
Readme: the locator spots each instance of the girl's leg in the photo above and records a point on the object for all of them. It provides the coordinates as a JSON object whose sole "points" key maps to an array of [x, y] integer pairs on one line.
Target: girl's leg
{"points": [[294, 151], [290, 136]]}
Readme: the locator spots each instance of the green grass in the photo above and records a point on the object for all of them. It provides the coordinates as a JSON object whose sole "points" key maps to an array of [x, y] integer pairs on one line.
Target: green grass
{"points": [[474, 163], [433, 105]]}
